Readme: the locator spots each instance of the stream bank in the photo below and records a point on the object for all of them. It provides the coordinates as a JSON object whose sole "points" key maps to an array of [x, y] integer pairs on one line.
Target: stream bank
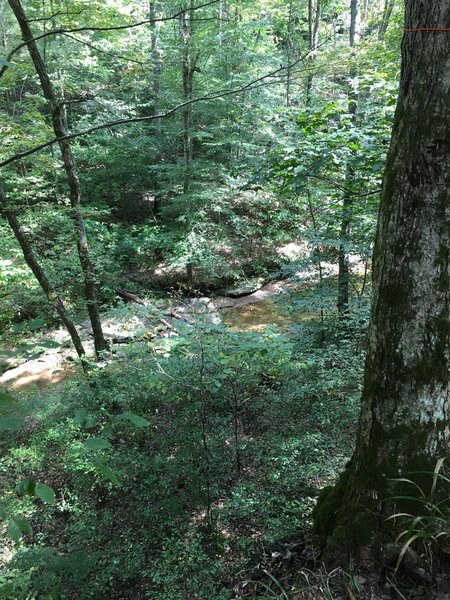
{"points": [[133, 322]]}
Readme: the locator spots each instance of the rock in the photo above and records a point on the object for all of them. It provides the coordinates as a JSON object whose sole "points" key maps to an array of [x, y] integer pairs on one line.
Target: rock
{"points": [[128, 326], [203, 306], [246, 287], [221, 302]]}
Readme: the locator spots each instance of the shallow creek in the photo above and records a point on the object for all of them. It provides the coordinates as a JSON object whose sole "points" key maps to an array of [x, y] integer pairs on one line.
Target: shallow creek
{"points": [[252, 312]]}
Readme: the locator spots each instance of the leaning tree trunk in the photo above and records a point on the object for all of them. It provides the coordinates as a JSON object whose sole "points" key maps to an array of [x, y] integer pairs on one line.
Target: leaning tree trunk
{"points": [[404, 423], [60, 130], [40, 274]]}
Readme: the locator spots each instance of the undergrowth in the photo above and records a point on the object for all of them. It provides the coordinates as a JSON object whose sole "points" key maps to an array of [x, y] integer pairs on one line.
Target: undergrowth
{"points": [[174, 465]]}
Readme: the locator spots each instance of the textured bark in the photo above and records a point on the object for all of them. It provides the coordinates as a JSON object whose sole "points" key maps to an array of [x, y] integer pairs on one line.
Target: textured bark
{"points": [[57, 115], [39, 273], [404, 424]]}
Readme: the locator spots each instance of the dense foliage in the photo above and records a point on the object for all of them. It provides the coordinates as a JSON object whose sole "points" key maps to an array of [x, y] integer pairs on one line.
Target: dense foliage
{"points": [[253, 147]]}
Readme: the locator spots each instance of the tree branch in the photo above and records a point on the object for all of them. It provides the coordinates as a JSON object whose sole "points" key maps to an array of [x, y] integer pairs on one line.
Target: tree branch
{"points": [[56, 14], [211, 96], [89, 45], [111, 28]]}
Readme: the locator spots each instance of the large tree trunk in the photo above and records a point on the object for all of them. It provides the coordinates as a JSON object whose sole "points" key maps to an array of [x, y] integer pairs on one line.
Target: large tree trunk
{"points": [[39, 273], [57, 115], [404, 423]]}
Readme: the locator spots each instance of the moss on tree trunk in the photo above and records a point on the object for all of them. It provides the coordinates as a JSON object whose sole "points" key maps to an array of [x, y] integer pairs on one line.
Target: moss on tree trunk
{"points": [[404, 424]]}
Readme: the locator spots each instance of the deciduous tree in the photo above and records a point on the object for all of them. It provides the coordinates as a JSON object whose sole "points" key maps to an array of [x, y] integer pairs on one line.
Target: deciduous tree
{"points": [[404, 423]]}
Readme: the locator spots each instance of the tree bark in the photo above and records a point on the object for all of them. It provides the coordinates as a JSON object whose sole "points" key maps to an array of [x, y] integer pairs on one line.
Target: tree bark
{"points": [[188, 69], [39, 273], [60, 130], [404, 423], [288, 55], [156, 85]]}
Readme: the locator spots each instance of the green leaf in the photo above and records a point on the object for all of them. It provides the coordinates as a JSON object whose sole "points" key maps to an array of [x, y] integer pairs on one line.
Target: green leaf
{"points": [[36, 324], [91, 422], [26, 486], [108, 473], [4, 62], [94, 443], [103, 468], [45, 493], [135, 419], [81, 416], [23, 524], [17, 526], [14, 532], [11, 423], [49, 344], [6, 399]]}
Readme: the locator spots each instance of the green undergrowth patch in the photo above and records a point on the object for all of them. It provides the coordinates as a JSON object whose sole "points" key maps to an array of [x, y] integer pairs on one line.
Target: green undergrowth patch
{"points": [[171, 465]]}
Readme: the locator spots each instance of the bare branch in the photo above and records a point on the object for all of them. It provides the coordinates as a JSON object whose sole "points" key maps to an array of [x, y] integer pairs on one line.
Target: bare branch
{"points": [[56, 14]]}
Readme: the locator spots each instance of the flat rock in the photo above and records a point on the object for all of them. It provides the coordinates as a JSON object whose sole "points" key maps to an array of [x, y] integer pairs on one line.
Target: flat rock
{"points": [[246, 287]]}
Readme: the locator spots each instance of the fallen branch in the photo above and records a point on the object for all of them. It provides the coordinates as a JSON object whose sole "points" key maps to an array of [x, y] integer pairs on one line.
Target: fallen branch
{"points": [[129, 297]]}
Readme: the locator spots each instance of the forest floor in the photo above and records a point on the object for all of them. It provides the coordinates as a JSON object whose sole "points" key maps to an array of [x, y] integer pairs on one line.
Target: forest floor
{"points": [[54, 365], [156, 513]]}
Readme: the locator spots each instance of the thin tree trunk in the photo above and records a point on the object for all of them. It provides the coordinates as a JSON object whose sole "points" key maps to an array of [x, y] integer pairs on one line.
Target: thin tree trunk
{"points": [[404, 424], [188, 69], [156, 80], [320, 270], [314, 10], [39, 273], [73, 181], [346, 223], [156, 85], [288, 57], [387, 12]]}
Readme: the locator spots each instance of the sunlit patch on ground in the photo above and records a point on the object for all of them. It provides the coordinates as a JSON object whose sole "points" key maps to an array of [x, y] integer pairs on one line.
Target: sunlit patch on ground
{"points": [[256, 317], [41, 373]]}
